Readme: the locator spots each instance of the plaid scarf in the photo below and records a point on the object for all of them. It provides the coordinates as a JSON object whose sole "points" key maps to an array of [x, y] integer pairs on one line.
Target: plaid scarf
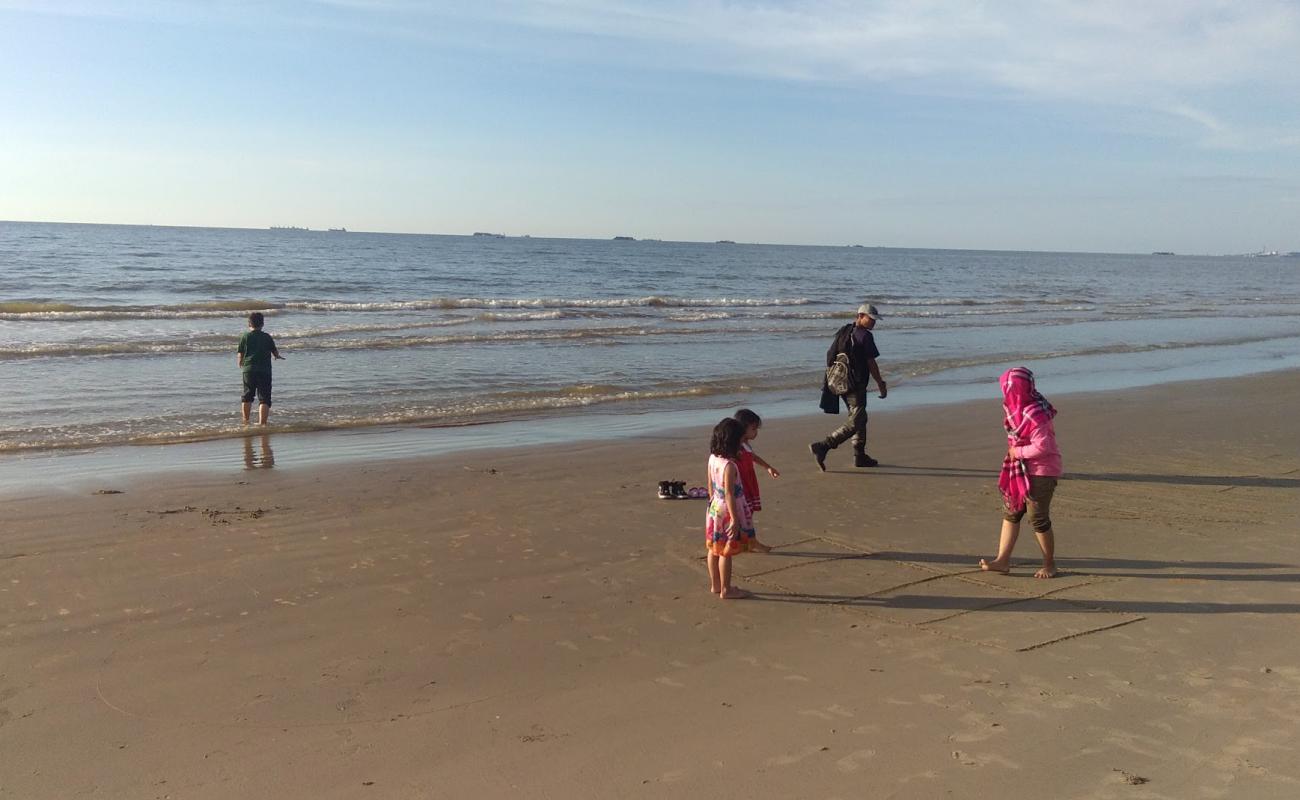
{"points": [[1024, 409]]}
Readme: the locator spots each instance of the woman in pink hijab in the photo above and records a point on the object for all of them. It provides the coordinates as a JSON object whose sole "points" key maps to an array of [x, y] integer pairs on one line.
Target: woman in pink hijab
{"points": [[1029, 472]]}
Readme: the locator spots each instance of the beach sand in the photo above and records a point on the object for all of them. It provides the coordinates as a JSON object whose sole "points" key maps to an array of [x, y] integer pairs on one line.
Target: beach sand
{"points": [[535, 623]]}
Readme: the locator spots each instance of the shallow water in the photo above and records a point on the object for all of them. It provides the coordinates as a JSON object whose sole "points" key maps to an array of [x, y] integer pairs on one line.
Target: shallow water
{"points": [[115, 335]]}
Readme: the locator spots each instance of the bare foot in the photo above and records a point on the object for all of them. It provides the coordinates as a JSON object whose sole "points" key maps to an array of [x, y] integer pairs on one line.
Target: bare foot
{"points": [[713, 589], [1048, 571], [758, 547], [733, 593], [996, 566]]}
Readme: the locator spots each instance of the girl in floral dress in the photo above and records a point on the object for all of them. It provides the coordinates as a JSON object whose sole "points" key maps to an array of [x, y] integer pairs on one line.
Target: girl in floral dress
{"points": [[728, 528]]}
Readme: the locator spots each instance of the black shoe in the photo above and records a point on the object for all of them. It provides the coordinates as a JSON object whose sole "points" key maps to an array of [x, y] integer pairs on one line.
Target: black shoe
{"points": [[679, 491], [819, 451], [864, 460], [665, 490]]}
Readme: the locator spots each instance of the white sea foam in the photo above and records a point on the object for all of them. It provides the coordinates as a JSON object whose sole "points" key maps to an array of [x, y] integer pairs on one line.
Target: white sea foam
{"points": [[438, 303]]}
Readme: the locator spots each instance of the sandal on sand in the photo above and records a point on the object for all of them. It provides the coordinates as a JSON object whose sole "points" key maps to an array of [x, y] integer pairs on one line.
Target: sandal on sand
{"points": [[698, 492]]}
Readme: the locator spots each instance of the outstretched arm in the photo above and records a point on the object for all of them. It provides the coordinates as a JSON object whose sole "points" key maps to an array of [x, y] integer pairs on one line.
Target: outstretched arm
{"points": [[771, 470]]}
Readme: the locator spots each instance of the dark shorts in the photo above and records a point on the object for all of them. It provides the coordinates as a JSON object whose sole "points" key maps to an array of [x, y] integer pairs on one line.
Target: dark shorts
{"points": [[257, 383], [1038, 504]]}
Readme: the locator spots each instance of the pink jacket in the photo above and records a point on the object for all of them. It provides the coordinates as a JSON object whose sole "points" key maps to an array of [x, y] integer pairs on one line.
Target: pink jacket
{"points": [[1041, 456]]}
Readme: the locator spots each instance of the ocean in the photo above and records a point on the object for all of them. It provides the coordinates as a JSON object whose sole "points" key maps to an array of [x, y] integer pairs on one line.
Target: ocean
{"points": [[113, 336]]}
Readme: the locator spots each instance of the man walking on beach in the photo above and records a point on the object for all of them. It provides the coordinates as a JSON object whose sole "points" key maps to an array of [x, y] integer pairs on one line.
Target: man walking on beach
{"points": [[854, 340]]}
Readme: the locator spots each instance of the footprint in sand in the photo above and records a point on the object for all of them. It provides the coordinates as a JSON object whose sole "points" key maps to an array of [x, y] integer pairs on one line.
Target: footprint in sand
{"points": [[828, 713], [855, 760], [978, 728], [567, 644], [666, 681], [795, 757], [983, 759]]}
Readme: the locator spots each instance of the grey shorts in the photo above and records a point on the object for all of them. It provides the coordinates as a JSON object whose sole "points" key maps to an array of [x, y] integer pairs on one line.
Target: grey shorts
{"points": [[1038, 504]]}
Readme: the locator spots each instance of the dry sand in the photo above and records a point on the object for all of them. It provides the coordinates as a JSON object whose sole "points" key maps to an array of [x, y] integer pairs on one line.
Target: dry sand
{"points": [[536, 624]]}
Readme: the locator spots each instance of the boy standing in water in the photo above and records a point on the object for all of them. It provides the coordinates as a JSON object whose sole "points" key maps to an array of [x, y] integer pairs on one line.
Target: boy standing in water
{"points": [[256, 349]]}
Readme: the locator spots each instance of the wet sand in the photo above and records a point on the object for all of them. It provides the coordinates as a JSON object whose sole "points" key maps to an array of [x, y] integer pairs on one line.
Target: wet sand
{"points": [[534, 623]]}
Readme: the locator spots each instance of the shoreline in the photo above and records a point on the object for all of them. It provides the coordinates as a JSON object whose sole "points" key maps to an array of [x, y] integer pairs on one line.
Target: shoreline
{"points": [[535, 623], [22, 472]]}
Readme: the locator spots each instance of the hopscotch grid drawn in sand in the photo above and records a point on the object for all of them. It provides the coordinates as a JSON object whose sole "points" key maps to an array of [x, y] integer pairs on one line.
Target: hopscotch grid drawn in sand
{"points": [[972, 577], [785, 551]]}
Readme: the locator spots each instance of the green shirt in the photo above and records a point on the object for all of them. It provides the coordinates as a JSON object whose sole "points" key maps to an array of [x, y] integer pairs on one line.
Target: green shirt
{"points": [[256, 347]]}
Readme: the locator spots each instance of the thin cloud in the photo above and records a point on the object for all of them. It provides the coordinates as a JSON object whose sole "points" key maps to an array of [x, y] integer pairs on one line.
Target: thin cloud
{"points": [[1053, 46], [1187, 60]]}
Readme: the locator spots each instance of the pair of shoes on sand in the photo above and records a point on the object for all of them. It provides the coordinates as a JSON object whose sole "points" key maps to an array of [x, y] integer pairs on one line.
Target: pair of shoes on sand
{"points": [[820, 449], [676, 490]]}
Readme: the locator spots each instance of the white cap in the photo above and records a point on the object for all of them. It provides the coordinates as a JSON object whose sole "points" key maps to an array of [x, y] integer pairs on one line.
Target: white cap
{"points": [[869, 310]]}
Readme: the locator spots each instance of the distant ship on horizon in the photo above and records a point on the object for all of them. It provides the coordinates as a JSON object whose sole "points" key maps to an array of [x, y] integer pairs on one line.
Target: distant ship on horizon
{"points": [[288, 228], [487, 235], [338, 230]]}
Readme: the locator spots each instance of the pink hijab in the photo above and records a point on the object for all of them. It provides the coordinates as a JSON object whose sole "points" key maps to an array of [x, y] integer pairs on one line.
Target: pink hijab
{"points": [[1024, 409]]}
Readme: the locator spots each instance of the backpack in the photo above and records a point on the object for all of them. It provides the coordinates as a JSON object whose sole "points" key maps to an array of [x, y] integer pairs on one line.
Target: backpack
{"points": [[837, 375]]}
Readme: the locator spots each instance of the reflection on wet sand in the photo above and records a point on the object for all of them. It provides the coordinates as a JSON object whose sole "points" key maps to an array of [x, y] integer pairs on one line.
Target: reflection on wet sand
{"points": [[264, 458]]}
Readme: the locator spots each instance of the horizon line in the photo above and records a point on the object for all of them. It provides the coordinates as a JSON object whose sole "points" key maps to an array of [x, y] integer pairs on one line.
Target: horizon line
{"points": [[482, 234]]}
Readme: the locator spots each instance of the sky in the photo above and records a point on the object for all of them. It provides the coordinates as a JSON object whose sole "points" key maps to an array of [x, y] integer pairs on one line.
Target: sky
{"points": [[1110, 125]]}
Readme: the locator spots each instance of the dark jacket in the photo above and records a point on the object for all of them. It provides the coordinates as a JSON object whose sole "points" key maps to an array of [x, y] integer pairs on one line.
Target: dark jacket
{"points": [[859, 371], [830, 401], [859, 355]]}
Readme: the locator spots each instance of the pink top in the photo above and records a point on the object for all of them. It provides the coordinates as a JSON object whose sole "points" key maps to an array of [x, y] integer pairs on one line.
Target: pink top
{"points": [[1031, 438], [1041, 455]]}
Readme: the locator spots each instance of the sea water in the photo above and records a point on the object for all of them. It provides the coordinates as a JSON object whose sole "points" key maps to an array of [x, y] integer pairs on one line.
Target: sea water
{"points": [[125, 335]]}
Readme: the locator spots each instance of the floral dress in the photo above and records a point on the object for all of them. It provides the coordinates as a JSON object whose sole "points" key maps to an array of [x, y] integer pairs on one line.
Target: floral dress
{"points": [[716, 536]]}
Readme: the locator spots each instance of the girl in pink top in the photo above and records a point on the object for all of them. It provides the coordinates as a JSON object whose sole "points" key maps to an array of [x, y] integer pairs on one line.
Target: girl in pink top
{"points": [[1029, 471]]}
